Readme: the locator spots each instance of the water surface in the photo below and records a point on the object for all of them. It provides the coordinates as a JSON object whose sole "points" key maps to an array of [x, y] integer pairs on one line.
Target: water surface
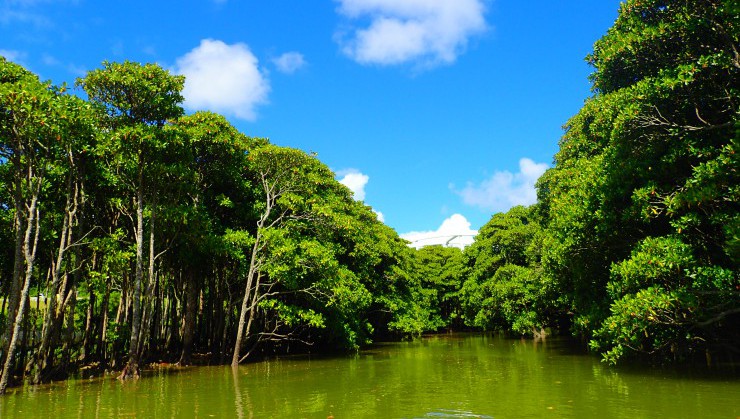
{"points": [[450, 376]]}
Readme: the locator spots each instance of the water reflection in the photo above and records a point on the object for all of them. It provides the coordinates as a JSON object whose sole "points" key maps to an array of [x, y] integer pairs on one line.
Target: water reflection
{"points": [[457, 376], [442, 413]]}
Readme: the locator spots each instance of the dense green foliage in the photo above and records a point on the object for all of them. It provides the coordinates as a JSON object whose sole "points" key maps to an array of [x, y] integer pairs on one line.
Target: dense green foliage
{"points": [[153, 235], [505, 287], [634, 238], [643, 200], [156, 235]]}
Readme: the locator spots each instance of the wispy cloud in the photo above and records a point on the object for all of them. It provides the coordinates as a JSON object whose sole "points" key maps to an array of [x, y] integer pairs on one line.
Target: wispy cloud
{"points": [[52, 61], [290, 62], [454, 231], [504, 189], [13, 55], [223, 78], [30, 12], [8, 16], [426, 32]]}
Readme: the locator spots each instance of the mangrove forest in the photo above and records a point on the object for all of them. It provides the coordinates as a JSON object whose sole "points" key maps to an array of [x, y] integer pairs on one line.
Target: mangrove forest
{"points": [[133, 233]]}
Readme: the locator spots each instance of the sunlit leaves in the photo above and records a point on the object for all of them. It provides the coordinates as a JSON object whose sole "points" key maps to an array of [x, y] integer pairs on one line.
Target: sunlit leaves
{"points": [[643, 199]]}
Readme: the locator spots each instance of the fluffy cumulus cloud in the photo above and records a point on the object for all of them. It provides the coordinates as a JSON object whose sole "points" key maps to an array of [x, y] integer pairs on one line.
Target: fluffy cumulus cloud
{"points": [[223, 78], [400, 31], [504, 189], [454, 231], [355, 181], [290, 62]]}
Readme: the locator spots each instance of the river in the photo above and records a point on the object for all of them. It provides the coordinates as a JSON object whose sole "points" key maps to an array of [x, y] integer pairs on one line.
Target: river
{"points": [[446, 376]]}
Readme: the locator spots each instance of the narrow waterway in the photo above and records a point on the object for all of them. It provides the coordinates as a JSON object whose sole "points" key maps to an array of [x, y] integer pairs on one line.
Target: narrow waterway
{"points": [[458, 376]]}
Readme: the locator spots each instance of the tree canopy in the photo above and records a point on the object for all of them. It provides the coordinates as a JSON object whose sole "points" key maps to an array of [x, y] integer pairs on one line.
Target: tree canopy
{"points": [[132, 233]]}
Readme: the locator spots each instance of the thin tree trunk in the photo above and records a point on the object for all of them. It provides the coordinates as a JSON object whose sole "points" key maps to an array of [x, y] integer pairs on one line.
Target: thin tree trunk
{"points": [[103, 325], [245, 302], [44, 356], [25, 335], [228, 315], [218, 319], [254, 264], [14, 293], [174, 322], [131, 370], [69, 330], [155, 331], [147, 306], [122, 302], [87, 341], [252, 309], [30, 256], [191, 311]]}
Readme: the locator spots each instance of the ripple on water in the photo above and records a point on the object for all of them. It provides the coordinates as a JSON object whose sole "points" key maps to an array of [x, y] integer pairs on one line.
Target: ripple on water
{"points": [[449, 413]]}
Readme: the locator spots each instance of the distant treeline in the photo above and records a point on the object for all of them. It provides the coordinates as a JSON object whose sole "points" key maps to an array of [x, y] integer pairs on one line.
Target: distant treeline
{"points": [[158, 236]]}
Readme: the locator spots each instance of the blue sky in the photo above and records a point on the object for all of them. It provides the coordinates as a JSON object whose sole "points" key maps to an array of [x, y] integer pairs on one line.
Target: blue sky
{"points": [[437, 113]]}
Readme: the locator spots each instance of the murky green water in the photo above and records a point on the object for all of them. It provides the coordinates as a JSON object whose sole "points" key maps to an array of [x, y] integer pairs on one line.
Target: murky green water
{"points": [[438, 377]]}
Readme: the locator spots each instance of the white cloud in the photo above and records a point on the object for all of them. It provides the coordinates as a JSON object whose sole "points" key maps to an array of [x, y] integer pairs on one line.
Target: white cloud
{"points": [[24, 12], [504, 189], [290, 62], [223, 78], [380, 215], [355, 181], [454, 231], [399, 31]]}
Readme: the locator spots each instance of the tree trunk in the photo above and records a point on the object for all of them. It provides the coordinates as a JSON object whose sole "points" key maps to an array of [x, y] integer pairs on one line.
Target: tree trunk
{"points": [[155, 329], [87, 340], [147, 303], [69, 330], [26, 330], [245, 302], [29, 252], [44, 357], [122, 302], [103, 325], [218, 319], [253, 306], [131, 370], [191, 312], [173, 337], [14, 293]]}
